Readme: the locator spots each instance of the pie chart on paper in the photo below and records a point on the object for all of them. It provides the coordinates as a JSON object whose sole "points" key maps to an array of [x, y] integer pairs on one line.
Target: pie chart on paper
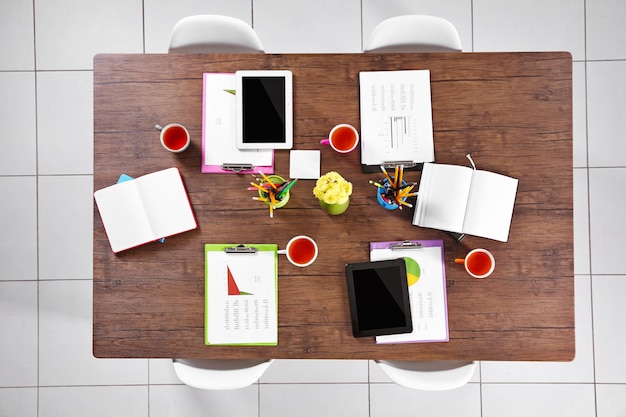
{"points": [[412, 270]]}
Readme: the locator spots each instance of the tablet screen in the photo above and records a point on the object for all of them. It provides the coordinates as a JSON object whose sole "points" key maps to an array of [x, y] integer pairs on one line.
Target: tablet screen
{"points": [[263, 109], [379, 301]]}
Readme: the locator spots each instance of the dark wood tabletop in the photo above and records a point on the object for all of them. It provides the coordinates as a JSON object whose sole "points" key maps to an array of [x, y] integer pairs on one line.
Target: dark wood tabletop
{"points": [[511, 111]]}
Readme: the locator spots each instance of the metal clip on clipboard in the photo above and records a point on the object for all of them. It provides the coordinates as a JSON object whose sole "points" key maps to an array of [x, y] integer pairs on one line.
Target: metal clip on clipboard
{"points": [[393, 164], [407, 244], [408, 165], [237, 167], [240, 249]]}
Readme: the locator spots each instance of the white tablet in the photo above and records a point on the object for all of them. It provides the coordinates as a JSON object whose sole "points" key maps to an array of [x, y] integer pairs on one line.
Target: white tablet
{"points": [[264, 109]]}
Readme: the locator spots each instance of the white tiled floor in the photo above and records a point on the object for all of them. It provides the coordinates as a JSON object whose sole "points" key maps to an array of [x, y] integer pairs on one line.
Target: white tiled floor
{"points": [[46, 366]]}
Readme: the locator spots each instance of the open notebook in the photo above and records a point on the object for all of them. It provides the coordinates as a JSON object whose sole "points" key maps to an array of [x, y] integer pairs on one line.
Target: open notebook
{"points": [[461, 199]]}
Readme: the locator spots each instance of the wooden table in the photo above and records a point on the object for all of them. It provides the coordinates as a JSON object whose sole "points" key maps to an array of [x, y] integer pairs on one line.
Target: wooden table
{"points": [[511, 111]]}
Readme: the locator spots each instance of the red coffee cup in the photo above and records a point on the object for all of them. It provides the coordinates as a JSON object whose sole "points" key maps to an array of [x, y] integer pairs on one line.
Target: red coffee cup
{"points": [[343, 138], [301, 251], [174, 137], [479, 263]]}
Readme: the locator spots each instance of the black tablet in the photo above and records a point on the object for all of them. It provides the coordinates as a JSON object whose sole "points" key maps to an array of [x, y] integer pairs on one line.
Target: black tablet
{"points": [[378, 293]]}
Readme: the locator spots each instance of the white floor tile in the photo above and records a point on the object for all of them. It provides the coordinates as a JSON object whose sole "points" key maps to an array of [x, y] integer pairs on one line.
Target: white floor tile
{"points": [[66, 227], [322, 26], [162, 372], [162, 15], [65, 341], [397, 401], [458, 12], [93, 401], [606, 32], [611, 400], [606, 105], [579, 370], [579, 118], [309, 400], [541, 400], [17, 113], [18, 333], [17, 36], [71, 32], [18, 223], [181, 400], [609, 334], [582, 261], [607, 199], [18, 402], [65, 122], [310, 371], [533, 25]]}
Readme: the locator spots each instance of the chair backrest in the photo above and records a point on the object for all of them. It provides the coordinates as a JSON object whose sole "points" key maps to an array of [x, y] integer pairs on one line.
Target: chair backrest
{"points": [[414, 33], [220, 374], [429, 376], [213, 34]]}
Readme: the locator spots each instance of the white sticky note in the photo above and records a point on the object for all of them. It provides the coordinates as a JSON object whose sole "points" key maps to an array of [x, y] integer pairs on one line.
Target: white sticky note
{"points": [[304, 164]]}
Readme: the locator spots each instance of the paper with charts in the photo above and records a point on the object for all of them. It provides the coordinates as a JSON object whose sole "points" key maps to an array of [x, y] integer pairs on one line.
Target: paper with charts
{"points": [[396, 117], [241, 295], [427, 288]]}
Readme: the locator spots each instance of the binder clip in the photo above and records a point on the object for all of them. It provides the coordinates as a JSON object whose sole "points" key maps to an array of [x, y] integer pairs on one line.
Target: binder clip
{"points": [[240, 249], [407, 244]]}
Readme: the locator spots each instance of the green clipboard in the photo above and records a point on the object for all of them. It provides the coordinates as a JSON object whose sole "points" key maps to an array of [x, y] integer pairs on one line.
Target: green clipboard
{"points": [[241, 294]]}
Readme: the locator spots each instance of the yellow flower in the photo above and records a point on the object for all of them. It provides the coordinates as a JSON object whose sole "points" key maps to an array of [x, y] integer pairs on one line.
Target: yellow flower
{"points": [[332, 188]]}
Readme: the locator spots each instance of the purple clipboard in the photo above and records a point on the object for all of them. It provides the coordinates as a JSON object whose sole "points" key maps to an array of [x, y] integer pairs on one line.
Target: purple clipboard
{"points": [[436, 263]]}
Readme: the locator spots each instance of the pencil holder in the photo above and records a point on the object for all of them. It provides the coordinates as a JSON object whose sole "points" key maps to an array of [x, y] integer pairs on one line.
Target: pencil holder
{"points": [[385, 198], [276, 180]]}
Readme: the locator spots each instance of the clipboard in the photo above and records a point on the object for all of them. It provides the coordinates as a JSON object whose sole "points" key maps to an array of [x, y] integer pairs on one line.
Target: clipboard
{"points": [[396, 119], [426, 276], [241, 294], [219, 145]]}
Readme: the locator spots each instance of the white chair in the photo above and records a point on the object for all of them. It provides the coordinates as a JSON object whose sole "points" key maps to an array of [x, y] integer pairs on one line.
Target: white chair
{"points": [[213, 34], [429, 376], [220, 374], [414, 33]]}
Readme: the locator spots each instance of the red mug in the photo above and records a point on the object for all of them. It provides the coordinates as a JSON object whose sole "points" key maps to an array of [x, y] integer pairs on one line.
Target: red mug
{"points": [[479, 263]]}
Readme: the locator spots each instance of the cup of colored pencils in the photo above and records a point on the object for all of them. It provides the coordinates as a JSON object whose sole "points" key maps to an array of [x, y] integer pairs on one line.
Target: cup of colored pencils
{"points": [[392, 191], [273, 191]]}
